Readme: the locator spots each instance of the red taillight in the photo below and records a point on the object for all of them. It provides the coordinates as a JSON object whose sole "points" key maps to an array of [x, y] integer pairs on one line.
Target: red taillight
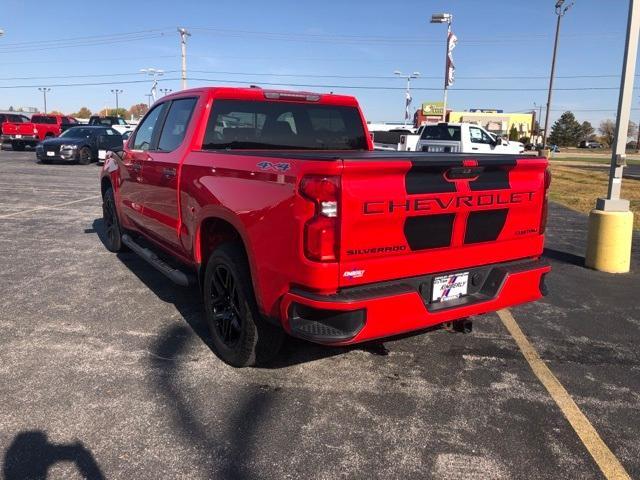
{"points": [[545, 202], [321, 231]]}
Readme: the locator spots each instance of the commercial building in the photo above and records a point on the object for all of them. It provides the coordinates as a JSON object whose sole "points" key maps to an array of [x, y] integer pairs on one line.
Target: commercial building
{"points": [[496, 121]]}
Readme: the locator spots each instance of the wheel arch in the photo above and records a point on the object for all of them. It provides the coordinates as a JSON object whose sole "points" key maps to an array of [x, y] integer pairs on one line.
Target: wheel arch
{"points": [[212, 232]]}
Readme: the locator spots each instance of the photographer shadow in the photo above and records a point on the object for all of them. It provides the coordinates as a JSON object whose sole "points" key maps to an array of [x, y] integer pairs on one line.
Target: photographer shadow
{"points": [[30, 455]]}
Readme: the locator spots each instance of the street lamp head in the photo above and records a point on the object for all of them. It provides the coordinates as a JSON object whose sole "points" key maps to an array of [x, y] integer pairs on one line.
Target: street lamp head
{"points": [[416, 74], [183, 31], [559, 3], [397, 72], [441, 18], [1, 32]]}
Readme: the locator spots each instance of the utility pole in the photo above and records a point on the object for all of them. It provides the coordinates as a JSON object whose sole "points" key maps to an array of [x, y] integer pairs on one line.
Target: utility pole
{"points": [[183, 49], [148, 95], [117, 92], [561, 10], [611, 222], [44, 91]]}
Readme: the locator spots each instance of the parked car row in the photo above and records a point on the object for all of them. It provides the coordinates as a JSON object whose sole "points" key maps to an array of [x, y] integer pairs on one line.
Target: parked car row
{"points": [[21, 131]]}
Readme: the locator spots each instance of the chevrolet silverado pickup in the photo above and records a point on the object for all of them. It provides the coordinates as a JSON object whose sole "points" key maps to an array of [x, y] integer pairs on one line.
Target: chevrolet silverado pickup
{"points": [[275, 205]]}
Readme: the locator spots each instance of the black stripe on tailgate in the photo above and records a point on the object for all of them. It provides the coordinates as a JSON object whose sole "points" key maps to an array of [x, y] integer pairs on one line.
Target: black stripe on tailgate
{"points": [[485, 226], [428, 179], [494, 177], [429, 231]]}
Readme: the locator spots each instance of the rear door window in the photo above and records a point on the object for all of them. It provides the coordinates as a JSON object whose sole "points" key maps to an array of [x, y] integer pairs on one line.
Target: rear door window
{"points": [[239, 124], [175, 125], [43, 119], [144, 134]]}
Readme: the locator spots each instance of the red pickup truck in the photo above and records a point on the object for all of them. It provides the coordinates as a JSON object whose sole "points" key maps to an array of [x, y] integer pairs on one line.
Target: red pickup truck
{"points": [[41, 126], [274, 203]]}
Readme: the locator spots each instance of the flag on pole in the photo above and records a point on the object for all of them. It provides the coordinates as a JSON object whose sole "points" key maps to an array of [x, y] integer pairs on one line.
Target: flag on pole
{"points": [[451, 44], [407, 107]]}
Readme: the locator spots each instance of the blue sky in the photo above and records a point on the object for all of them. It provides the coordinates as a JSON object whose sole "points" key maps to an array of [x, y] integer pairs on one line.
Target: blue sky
{"points": [[320, 39]]}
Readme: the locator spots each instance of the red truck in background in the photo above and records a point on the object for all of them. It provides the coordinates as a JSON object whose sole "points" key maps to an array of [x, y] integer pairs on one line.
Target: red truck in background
{"points": [[276, 205], [29, 133]]}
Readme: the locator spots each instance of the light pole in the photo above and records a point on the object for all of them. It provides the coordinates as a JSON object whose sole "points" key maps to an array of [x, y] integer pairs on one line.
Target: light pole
{"points": [[183, 51], [407, 101], [166, 91], [611, 222], [155, 73], [448, 19], [44, 91], [561, 10], [117, 92]]}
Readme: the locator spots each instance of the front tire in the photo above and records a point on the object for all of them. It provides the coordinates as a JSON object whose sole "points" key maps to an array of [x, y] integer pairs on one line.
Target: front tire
{"points": [[241, 336], [84, 156], [113, 240]]}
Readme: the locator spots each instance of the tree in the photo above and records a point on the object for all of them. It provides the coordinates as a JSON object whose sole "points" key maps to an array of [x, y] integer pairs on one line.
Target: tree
{"points": [[566, 131], [587, 130], [112, 112], [55, 112], [84, 112], [138, 110], [608, 130], [513, 133]]}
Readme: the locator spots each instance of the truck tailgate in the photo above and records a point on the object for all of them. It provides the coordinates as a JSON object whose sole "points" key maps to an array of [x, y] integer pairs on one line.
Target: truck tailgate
{"points": [[419, 214], [9, 128]]}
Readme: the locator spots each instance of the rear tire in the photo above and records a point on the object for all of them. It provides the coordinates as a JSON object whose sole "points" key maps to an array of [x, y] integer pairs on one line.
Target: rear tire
{"points": [[84, 156], [113, 242], [241, 335]]}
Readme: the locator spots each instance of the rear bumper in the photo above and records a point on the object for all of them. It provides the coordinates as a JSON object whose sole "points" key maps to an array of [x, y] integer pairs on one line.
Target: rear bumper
{"points": [[21, 138], [370, 312]]}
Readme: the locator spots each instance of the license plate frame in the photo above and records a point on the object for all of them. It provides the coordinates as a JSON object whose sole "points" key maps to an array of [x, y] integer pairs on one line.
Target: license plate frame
{"points": [[449, 287]]}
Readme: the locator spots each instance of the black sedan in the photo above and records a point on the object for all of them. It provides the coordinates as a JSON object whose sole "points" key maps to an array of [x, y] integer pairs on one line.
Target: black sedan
{"points": [[79, 145]]}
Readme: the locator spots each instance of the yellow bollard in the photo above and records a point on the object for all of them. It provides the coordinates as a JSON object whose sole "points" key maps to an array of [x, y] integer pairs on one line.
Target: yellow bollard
{"points": [[609, 241]]}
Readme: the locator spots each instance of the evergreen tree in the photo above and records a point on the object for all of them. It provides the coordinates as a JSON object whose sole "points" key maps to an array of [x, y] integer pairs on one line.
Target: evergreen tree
{"points": [[566, 131], [513, 134], [587, 130]]}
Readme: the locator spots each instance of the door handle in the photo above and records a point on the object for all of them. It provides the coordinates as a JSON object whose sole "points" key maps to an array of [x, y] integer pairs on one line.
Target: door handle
{"points": [[474, 148], [169, 172]]}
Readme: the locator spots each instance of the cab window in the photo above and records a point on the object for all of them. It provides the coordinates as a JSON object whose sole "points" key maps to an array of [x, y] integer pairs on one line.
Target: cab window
{"points": [[175, 125], [478, 136], [144, 134]]}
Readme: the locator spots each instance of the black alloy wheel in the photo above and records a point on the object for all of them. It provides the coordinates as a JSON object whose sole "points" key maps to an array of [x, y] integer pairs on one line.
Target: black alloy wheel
{"points": [[240, 334], [226, 306]]}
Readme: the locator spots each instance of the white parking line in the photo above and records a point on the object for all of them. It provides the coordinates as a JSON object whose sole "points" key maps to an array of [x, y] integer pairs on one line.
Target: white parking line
{"points": [[31, 210]]}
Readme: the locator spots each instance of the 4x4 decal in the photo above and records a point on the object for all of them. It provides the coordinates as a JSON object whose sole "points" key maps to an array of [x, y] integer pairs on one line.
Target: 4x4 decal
{"points": [[278, 167]]}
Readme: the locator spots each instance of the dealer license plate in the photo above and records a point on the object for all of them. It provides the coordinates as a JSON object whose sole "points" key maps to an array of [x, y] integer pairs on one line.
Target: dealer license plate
{"points": [[449, 287], [51, 154], [102, 154]]}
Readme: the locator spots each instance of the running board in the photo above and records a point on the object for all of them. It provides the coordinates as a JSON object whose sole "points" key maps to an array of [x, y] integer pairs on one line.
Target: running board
{"points": [[176, 276]]}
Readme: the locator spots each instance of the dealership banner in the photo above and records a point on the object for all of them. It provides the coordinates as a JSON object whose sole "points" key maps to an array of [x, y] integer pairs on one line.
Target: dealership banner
{"points": [[452, 40]]}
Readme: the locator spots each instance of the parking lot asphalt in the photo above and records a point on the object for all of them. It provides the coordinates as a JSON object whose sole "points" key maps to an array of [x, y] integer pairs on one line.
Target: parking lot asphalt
{"points": [[106, 372]]}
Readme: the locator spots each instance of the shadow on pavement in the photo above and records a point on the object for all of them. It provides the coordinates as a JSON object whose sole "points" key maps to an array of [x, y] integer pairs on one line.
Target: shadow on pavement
{"points": [[189, 304], [30, 456], [564, 257]]}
